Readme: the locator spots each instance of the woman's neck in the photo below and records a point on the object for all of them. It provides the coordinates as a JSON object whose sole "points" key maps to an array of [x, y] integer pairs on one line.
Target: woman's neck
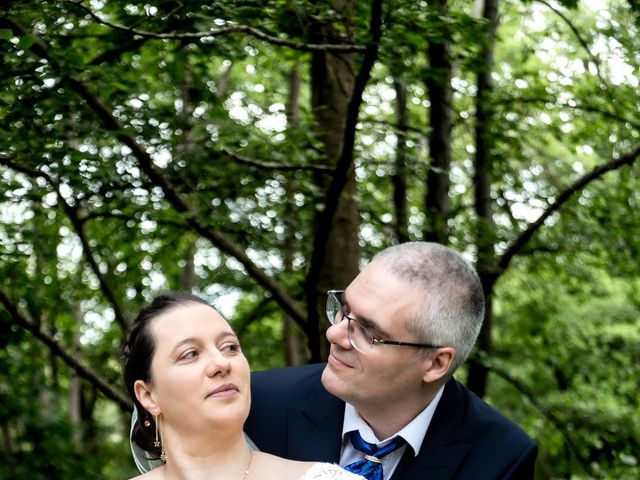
{"points": [[212, 458]]}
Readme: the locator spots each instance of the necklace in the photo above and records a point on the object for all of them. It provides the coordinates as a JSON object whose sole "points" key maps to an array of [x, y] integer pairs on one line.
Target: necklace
{"points": [[245, 474]]}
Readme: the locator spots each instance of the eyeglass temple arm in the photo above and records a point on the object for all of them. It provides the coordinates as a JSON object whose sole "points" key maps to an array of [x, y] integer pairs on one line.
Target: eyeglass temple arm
{"points": [[407, 344]]}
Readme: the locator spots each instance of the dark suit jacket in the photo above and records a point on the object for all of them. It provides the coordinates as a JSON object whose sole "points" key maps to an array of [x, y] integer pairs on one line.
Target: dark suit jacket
{"points": [[293, 416]]}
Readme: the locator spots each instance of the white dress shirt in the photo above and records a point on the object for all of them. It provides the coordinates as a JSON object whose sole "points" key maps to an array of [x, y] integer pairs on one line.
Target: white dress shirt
{"points": [[413, 433]]}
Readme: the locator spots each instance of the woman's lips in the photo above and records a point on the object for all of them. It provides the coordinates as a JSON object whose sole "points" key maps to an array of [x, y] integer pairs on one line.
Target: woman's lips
{"points": [[225, 390]]}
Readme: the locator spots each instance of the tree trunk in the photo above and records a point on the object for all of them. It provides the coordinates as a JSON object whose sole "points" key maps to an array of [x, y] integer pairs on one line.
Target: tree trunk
{"points": [[399, 177], [7, 441], [478, 374], [438, 83], [75, 387], [293, 341], [332, 82]]}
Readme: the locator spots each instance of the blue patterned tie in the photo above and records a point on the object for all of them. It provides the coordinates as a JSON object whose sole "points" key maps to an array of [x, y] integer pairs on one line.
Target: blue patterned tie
{"points": [[371, 467]]}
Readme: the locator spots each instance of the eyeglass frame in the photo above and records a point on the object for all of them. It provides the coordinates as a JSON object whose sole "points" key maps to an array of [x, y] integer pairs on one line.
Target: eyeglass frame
{"points": [[374, 340]]}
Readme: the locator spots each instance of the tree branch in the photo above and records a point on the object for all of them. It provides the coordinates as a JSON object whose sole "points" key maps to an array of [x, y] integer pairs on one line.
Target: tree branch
{"points": [[581, 40], [276, 166], [532, 397], [77, 223], [58, 350], [566, 105], [218, 239], [627, 159], [254, 32]]}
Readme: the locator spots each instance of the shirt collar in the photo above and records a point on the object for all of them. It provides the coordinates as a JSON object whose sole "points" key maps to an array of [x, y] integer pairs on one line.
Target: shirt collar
{"points": [[413, 433]]}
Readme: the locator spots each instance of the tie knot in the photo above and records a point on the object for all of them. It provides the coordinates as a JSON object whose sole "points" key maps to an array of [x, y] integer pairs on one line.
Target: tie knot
{"points": [[373, 450], [371, 467]]}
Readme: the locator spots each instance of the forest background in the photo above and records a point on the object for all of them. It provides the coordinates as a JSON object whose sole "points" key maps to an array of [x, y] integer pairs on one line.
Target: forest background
{"points": [[259, 153]]}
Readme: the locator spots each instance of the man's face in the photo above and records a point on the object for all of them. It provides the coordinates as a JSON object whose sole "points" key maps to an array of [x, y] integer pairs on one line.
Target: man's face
{"points": [[388, 377]]}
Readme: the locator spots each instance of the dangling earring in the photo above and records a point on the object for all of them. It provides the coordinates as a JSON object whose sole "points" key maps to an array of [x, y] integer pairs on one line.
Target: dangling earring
{"points": [[157, 442]]}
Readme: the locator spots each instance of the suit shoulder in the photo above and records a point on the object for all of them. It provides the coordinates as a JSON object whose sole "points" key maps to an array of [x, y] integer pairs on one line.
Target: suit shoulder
{"points": [[277, 396], [483, 420], [289, 374], [287, 381]]}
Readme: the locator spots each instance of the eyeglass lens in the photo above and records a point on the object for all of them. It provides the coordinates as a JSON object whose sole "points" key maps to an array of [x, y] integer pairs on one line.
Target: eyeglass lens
{"points": [[359, 337]]}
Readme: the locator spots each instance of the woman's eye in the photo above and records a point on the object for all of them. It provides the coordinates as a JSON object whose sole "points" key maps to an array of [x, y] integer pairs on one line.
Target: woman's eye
{"points": [[189, 354], [231, 347]]}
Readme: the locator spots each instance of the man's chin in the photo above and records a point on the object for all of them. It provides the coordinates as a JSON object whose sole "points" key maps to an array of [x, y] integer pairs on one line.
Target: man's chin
{"points": [[329, 379], [333, 383]]}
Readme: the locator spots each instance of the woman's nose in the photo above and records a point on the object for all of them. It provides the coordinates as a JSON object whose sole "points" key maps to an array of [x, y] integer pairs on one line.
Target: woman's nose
{"points": [[217, 364]]}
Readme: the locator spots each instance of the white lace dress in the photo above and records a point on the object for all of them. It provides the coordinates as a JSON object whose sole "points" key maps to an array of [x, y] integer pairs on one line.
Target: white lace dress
{"points": [[329, 471]]}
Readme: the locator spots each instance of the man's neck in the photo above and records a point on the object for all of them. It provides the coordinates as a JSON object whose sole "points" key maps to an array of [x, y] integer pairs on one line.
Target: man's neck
{"points": [[387, 420]]}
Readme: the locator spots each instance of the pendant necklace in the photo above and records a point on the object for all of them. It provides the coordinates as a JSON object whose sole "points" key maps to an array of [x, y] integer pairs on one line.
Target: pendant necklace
{"points": [[245, 474]]}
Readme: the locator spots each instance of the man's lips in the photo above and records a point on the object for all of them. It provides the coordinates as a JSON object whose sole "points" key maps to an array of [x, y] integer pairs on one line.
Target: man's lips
{"points": [[226, 390], [334, 360]]}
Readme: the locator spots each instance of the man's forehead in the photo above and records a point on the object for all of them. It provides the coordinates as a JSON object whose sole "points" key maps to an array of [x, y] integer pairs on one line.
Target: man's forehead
{"points": [[387, 302]]}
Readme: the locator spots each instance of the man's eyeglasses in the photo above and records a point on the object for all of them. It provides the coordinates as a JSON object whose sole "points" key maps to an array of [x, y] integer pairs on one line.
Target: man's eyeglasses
{"points": [[360, 336]]}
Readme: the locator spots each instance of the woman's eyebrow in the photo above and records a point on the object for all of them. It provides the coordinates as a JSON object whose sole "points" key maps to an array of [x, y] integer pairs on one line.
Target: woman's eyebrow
{"points": [[189, 340], [182, 342], [227, 333]]}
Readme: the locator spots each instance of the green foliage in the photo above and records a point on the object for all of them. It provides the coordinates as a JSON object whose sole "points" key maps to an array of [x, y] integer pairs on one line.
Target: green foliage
{"points": [[39, 439], [575, 338], [87, 235]]}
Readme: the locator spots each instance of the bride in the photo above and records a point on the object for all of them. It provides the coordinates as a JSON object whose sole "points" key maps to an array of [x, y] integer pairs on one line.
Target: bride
{"points": [[189, 380]]}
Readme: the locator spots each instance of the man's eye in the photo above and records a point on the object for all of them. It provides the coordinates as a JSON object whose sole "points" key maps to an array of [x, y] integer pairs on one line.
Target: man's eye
{"points": [[366, 333]]}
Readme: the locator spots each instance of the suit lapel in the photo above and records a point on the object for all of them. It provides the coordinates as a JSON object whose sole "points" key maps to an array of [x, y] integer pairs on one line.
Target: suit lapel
{"points": [[315, 431], [440, 463], [441, 450]]}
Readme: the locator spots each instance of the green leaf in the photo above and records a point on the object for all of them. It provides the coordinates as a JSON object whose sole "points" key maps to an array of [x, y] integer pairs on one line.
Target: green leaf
{"points": [[26, 42]]}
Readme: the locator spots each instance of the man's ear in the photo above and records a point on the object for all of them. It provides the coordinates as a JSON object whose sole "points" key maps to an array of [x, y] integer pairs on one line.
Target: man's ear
{"points": [[145, 397], [438, 364]]}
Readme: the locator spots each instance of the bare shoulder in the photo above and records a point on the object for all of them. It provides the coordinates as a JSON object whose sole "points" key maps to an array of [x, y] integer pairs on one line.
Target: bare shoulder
{"points": [[271, 467]]}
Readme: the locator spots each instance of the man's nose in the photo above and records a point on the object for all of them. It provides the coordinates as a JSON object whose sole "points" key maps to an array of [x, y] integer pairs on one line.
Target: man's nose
{"points": [[338, 334]]}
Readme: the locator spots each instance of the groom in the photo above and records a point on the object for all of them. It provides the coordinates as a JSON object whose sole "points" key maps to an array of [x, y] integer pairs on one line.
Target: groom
{"points": [[386, 404]]}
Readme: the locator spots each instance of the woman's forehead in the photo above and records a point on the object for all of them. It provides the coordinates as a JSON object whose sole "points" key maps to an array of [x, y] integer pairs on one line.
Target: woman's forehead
{"points": [[188, 318]]}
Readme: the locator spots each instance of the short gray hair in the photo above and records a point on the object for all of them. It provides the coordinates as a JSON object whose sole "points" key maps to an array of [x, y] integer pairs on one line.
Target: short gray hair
{"points": [[453, 305]]}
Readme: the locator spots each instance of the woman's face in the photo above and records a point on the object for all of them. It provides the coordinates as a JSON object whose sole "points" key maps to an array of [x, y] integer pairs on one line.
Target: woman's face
{"points": [[200, 377]]}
